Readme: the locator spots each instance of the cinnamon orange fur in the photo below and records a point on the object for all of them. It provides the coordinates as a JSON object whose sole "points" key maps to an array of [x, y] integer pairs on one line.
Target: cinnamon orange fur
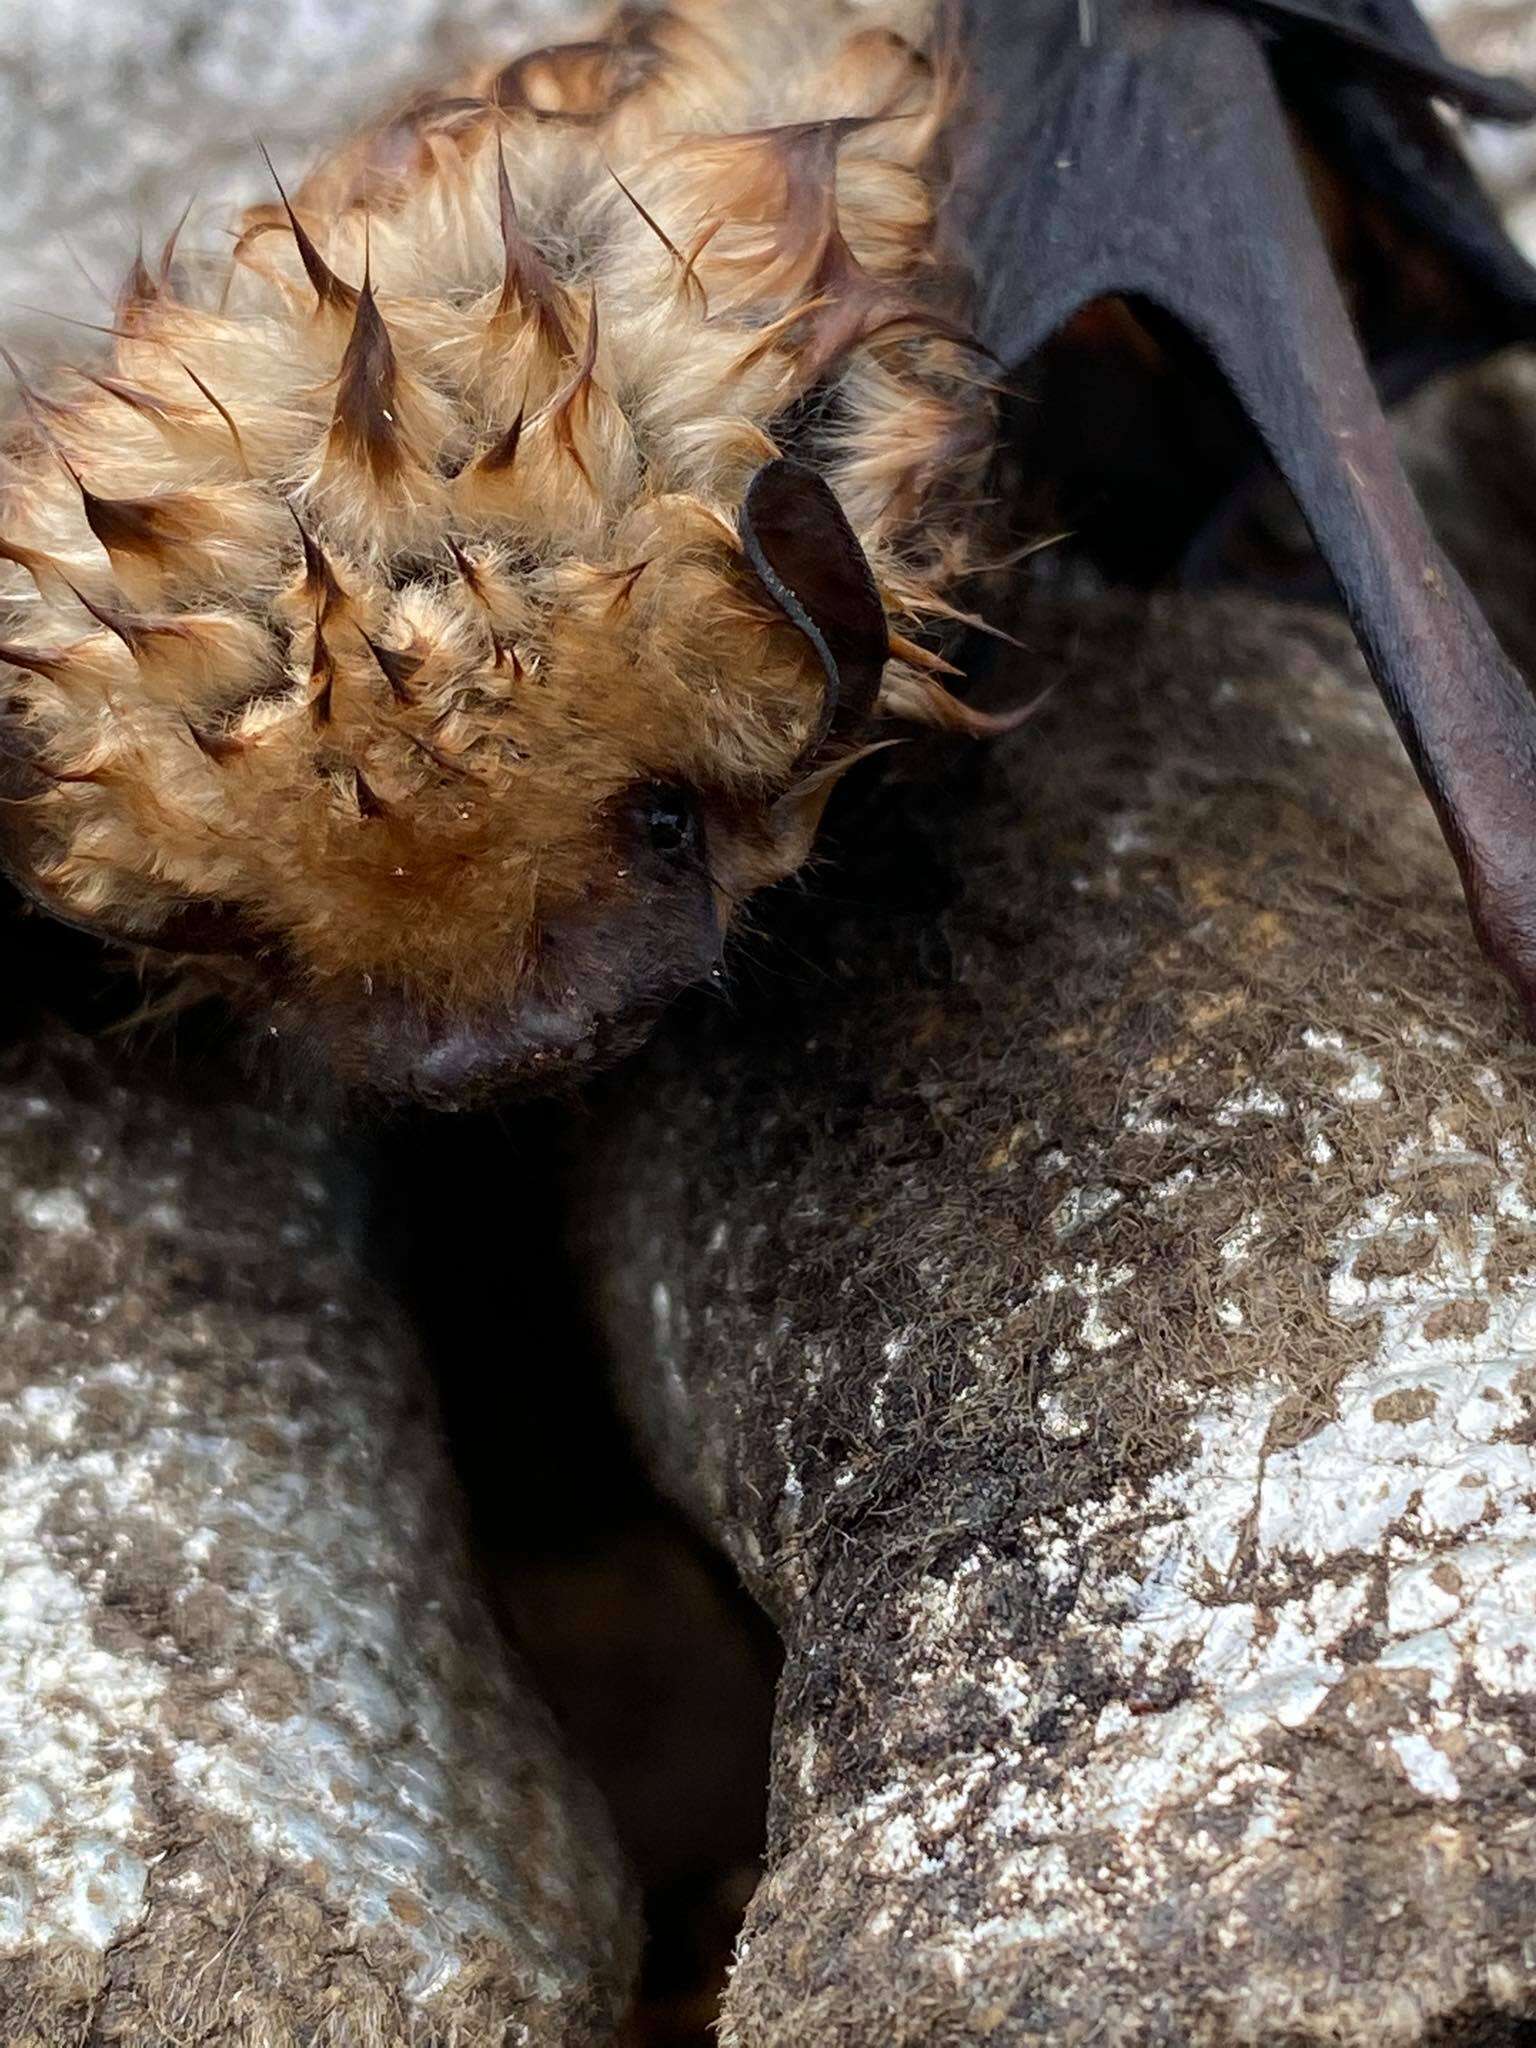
{"points": [[354, 607]]}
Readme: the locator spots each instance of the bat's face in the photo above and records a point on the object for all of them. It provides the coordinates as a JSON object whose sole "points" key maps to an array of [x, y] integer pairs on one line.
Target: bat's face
{"points": [[467, 835], [551, 998], [516, 920], [519, 953]]}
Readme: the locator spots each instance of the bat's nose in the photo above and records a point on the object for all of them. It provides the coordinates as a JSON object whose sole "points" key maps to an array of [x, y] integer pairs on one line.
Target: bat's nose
{"points": [[472, 1061], [594, 997]]}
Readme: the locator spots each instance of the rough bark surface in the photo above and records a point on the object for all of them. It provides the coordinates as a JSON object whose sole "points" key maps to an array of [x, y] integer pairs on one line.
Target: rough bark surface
{"points": [[1091, 1290], [265, 1775]]}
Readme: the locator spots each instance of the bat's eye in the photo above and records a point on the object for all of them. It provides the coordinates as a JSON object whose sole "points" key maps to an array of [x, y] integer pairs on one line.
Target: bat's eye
{"points": [[671, 820]]}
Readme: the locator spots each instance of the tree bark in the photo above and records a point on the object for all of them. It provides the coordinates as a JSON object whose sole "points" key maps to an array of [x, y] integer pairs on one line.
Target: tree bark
{"points": [[1090, 1289], [265, 1773]]}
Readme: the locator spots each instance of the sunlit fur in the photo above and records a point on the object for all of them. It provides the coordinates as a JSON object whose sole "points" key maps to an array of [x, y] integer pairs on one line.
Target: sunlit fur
{"points": [[377, 559]]}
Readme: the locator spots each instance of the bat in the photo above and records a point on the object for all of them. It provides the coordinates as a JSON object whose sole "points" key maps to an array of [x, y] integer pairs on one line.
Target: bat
{"points": [[438, 616], [435, 619]]}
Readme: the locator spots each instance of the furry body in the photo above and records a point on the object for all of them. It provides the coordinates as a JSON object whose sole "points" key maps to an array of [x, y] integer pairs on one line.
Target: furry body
{"points": [[378, 624]]}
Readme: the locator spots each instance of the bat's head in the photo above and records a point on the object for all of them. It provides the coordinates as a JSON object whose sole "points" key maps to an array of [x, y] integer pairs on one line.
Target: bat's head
{"points": [[423, 638], [487, 841]]}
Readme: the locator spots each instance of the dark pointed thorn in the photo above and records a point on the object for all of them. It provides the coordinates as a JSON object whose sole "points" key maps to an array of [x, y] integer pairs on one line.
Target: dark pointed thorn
{"points": [[38, 408], [139, 290], [465, 567], [322, 671], [131, 395], [224, 414], [365, 392], [502, 453], [369, 803], [37, 661], [435, 754], [40, 767], [218, 746], [330, 290], [649, 218], [526, 278], [320, 584], [397, 666], [565, 401], [129, 526], [168, 250], [130, 630]]}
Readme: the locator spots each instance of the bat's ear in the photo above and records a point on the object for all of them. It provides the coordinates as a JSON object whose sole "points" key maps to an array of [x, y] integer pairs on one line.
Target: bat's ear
{"points": [[807, 557]]}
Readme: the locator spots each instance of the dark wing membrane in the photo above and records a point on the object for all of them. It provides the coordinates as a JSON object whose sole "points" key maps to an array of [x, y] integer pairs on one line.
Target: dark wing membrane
{"points": [[1151, 161], [1390, 40], [1149, 460]]}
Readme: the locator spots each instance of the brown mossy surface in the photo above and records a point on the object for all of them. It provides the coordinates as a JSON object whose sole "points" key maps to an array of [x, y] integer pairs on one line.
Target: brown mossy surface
{"points": [[264, 1961], [1039, 1135], [1032, 989]]}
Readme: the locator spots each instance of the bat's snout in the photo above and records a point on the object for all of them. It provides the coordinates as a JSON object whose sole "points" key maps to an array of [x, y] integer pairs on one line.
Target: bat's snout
{"points": [[592, 998], [471, 1063]]}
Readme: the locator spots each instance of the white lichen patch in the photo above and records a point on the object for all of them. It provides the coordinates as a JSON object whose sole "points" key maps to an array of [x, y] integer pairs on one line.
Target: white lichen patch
{"points": [[1083, 1205], [75, 1841], [1094, 1285], [1362, 1079], [1428, 1768], [61, 1210], [1252, 1102], [234, 1619], [1239, 1242], [1383, 1565], [1058, 1418]]}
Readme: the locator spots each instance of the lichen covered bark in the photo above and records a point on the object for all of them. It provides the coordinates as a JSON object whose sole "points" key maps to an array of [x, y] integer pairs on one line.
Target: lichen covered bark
{"points": [[265, 1774], [1089, 1289]]}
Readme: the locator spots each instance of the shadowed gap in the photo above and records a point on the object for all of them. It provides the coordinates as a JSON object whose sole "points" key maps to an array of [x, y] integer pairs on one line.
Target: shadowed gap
{"points": [[658, 1666]]}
